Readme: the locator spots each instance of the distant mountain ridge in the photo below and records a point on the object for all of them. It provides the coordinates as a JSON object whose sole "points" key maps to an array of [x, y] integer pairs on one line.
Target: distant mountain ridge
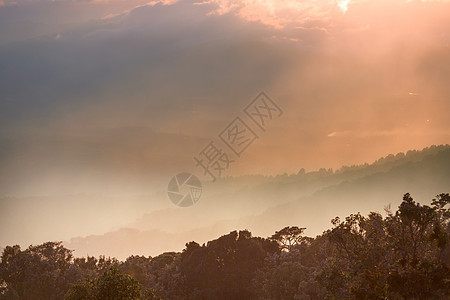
{"points": [[306, 199]]}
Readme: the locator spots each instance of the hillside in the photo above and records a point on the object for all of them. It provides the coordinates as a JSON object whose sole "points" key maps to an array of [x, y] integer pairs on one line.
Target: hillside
{"points": [[274, 202]]}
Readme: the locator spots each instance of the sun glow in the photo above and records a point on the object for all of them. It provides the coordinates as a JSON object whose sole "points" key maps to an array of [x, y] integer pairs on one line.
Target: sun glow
{"points": [[343, 5]]}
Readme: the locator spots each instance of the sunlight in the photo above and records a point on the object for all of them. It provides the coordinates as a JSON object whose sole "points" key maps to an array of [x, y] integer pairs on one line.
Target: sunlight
{"points": [[343, 5]]}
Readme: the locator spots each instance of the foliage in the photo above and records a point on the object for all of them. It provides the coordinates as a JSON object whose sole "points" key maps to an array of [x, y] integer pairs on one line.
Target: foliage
{"points": [[111, 285], [405, 255]]}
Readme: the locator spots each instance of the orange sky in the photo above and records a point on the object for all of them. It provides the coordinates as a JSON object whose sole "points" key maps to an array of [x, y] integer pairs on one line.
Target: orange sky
{"points": [[357, 79]]}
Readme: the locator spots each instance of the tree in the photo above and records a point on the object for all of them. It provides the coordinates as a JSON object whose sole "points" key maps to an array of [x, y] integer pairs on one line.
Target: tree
{"points": [[111, 285], [418, 237], [289, 237], [224, 268], [39, 272], [138, 268], [397, 257]]}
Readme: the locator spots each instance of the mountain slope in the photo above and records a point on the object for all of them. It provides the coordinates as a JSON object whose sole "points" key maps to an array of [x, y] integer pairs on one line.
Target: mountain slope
{"points": [[376, 187]]}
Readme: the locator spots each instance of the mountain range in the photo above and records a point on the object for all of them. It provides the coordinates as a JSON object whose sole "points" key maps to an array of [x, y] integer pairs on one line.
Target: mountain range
{"points": [[264, 204]]}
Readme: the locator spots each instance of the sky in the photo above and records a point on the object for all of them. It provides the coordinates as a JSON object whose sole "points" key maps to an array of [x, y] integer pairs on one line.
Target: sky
{"points": [[114, 97], [102, 92]]}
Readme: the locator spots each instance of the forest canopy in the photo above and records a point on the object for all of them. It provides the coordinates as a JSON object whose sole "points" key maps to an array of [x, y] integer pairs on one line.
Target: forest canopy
{"points": [[403, 255]]}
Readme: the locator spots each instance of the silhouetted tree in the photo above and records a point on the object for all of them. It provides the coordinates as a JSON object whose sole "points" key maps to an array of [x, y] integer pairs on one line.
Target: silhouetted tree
{"points": [[289, 237]]}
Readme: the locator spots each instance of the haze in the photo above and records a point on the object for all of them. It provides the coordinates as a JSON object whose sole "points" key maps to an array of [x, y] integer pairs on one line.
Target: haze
{"points": [[102, 102]]}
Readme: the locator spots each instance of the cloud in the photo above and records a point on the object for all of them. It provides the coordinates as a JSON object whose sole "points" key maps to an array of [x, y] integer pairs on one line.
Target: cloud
{"points": [[274, 13], [156, 65]]}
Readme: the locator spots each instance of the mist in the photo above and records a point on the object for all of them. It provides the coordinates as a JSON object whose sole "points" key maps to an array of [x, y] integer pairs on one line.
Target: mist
{"points": [[102, 102]]}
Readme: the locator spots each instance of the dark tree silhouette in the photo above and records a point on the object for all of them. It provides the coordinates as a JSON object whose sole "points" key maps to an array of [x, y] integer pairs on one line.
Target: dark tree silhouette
{"points": [[405, 255]]}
